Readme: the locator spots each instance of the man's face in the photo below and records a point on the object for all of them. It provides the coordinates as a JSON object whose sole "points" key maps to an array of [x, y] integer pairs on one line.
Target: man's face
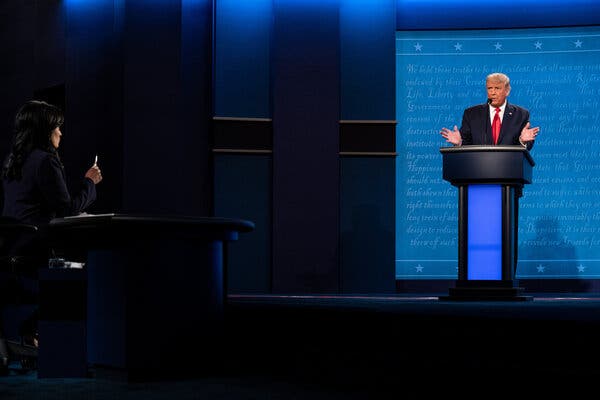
{"points": [[497, 92]]}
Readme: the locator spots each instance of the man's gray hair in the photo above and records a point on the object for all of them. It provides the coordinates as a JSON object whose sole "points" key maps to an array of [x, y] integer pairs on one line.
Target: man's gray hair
{"points": [[499, 77]]}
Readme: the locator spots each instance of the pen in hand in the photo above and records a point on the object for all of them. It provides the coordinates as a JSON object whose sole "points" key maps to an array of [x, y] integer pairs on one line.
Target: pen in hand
{"points": [[94, 172]]}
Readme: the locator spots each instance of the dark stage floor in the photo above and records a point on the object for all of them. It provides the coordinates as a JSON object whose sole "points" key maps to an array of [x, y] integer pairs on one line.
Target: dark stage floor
{"points": [[355, 347]]}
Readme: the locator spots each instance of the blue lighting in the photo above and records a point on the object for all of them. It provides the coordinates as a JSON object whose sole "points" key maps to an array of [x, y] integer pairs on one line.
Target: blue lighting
{"points": [[455, 3], [465, 14], [88, 3], [242, 51], [111, 3], [366, 29], [305, 2], [484, 248]]}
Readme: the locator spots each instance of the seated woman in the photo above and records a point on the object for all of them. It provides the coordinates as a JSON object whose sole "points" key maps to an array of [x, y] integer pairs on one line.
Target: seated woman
{"points": [[34, 185]]}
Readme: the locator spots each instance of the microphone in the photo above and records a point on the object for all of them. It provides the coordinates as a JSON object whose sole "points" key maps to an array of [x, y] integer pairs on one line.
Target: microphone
{"points": [[489, 101]]}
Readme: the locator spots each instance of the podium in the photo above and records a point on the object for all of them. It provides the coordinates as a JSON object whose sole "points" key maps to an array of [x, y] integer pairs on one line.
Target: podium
{"points": [[490, 180]]}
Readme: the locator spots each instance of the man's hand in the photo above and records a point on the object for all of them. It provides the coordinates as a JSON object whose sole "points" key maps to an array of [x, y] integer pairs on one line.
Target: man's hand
{"points": [[529, 134], [452, 136]]}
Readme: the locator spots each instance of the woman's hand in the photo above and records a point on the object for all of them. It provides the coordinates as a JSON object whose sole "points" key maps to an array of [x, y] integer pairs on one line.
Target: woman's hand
{"points": [[94, 174]]}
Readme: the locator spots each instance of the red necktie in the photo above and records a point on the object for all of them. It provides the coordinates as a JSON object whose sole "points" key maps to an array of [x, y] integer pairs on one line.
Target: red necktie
{"points": [[496, 126]]}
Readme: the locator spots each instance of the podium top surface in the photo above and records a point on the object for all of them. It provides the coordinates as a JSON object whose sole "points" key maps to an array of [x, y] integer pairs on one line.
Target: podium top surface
{"points": [[471, 164], [488, 148]]}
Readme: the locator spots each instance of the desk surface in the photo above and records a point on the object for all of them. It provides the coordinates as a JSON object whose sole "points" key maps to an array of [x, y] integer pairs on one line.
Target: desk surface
{"points": [[104, 230], [99, 220]]}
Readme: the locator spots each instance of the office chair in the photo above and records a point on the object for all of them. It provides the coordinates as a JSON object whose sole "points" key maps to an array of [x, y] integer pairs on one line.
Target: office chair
{"points": [[15, 293]]}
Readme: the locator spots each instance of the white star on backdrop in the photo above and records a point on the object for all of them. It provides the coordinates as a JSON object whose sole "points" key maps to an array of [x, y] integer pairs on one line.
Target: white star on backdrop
{"points": [[578, 43], [498, 46], [538, 45], [418, 47], [580, 268], [540, 268], [419, 268], [458, 46]]}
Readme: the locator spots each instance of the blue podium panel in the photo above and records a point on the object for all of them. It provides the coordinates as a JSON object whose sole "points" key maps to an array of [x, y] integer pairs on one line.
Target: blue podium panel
{"points": [[484, 232]]}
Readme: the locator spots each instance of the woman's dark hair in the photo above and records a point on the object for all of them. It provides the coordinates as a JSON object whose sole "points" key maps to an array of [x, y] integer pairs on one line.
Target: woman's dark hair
{"points": [[34, 124]]}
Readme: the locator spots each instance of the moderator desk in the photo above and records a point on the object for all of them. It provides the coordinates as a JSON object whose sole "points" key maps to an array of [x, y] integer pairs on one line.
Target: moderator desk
{"points": [[155, 289]]}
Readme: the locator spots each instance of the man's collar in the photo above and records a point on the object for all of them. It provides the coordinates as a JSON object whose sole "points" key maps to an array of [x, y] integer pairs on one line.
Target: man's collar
{"points": [[502, 107]]}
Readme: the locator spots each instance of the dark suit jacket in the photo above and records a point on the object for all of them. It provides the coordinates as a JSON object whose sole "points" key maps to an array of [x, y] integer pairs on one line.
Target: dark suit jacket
{"points": [[477, 129], [40, 195]]}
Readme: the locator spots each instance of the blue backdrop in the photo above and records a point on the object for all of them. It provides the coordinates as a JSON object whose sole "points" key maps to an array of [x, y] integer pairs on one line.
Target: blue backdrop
{"points": [[555, 73]]}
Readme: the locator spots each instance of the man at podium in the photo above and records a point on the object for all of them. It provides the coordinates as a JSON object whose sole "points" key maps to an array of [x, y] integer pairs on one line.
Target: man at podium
{"points": [[490, 181], [496, 122]]}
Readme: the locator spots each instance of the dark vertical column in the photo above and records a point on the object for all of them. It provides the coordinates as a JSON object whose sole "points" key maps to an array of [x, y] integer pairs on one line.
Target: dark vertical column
{"points": [[368, 47], [17, 68], [463, 210], [509, 228], [138, 94], [153, 134], [93, 97], [195, 196], [242, 136], [49, 45], [367, 227], [243, 190], [167, 96], [241, 54], [306, 89], [367, 146]]}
